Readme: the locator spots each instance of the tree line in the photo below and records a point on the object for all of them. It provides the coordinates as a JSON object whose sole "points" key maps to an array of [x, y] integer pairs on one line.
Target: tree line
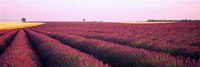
{"points": [[183, 20]]}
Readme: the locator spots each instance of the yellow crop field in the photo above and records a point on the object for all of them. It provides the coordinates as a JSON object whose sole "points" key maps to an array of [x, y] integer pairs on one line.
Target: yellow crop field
{"points": [[16, 25]]}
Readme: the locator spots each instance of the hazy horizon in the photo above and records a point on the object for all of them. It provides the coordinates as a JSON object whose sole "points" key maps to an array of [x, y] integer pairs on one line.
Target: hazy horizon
{"points": [[96, 10]]}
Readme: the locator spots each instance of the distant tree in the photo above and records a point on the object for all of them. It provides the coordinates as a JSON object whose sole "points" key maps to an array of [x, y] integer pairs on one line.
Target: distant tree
{"points": [[23, 19], [151, 20], [84, 19]]}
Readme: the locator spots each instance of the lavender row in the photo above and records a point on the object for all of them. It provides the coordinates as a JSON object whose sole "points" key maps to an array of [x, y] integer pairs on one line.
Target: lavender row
{"points": [[120, 56], [6, 39], [55, 54], [3, 32], [19, 53], [175, 50]]}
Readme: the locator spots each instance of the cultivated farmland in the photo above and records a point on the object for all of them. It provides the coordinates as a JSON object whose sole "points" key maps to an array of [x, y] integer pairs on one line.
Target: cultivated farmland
{"points": [[90, 44], [17, 25]]}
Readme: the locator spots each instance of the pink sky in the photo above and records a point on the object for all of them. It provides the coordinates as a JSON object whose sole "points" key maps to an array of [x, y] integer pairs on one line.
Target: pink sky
{"points": [[106, 10]]}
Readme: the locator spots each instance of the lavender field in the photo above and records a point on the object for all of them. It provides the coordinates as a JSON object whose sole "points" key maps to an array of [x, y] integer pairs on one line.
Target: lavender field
{"points": [[95, 44]]}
